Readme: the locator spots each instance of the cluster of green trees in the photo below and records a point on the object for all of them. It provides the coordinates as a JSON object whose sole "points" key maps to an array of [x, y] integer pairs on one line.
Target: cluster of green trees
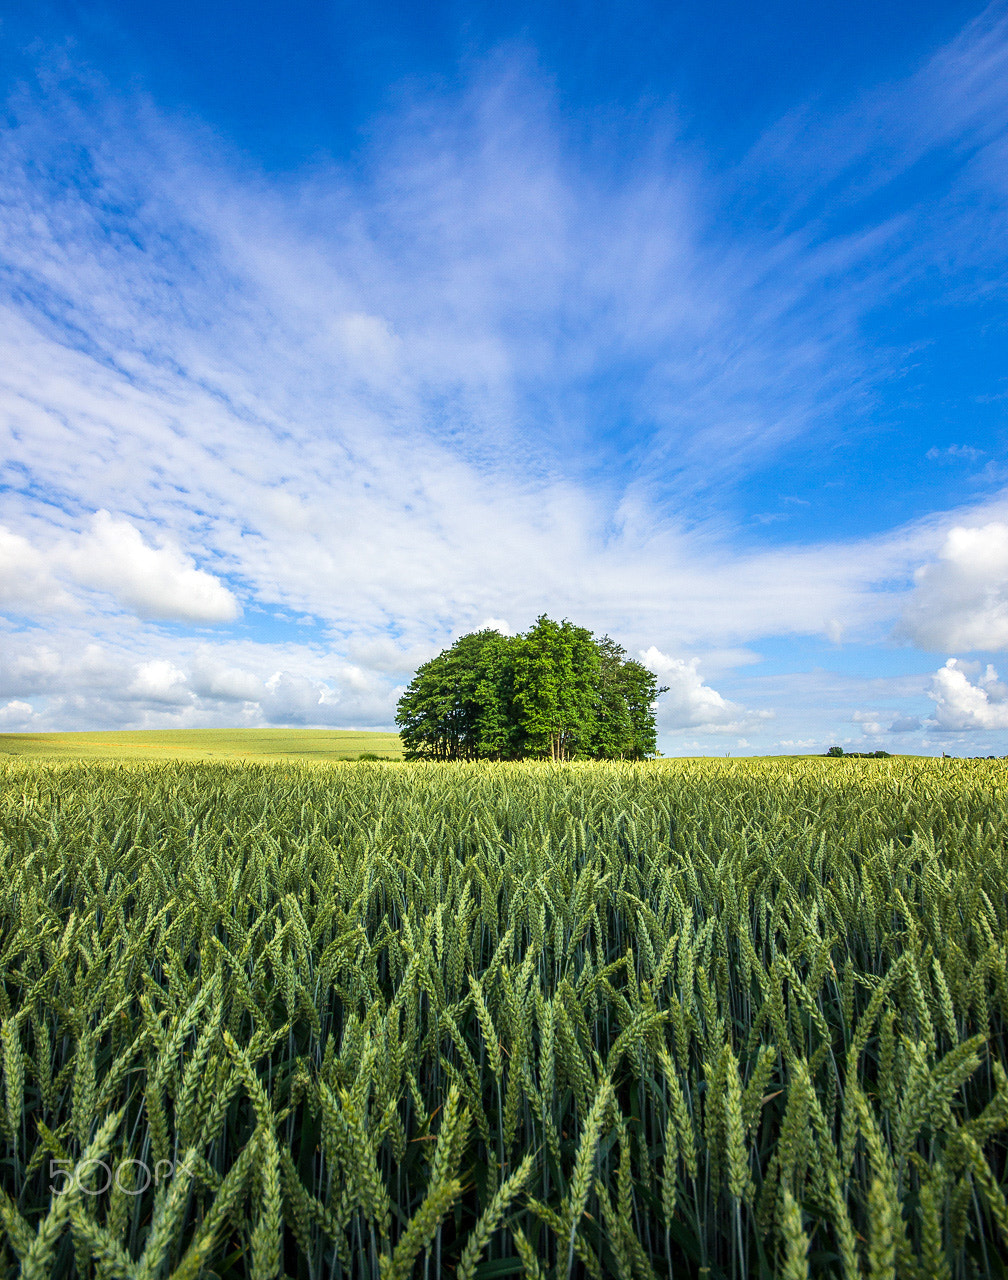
{"points": [[555, 692]]}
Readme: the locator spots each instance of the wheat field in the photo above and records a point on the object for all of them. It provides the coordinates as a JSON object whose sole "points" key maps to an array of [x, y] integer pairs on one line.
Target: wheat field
{"points": [[713, 1019]]}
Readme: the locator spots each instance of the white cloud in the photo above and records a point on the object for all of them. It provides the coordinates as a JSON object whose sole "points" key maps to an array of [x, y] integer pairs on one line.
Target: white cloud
{"points": [[718, 661], [368, 340], [214, 680], [961, 599], [382, 655], [153, 582], [905, 724], [31, 670], [871, 725], [955, 453], [961, 705], [159, 681], [26, 579], [152, 680], [294, 699], [16, 716], [112, 557], [689, 702]]}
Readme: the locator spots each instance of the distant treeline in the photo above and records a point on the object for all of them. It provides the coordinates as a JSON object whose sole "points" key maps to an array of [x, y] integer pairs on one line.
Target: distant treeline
{"points": [[555, 692], [859, 755]]}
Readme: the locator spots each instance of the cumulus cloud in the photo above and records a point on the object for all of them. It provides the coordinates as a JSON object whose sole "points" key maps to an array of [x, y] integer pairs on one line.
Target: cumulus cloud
{"points": [[29, 670], [962, 705], [16, 716], [112, 557], [905, 724], [79, 685], [159, 681], [26, 578], [382, 655], [216, 681], [871, 725], [153, 582], [294, 699], [960, 600], [689, 702]]}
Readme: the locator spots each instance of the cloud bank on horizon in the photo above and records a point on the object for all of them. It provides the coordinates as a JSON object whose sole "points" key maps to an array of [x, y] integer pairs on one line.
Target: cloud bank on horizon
{"points": [[275, 429]]}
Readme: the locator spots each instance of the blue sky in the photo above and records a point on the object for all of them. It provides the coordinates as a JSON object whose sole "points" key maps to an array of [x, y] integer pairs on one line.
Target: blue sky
{"points": [[329, 333]]}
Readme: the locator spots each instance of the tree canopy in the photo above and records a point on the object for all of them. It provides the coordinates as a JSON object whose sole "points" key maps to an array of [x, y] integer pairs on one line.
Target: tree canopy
{"points": [[555, 692]]}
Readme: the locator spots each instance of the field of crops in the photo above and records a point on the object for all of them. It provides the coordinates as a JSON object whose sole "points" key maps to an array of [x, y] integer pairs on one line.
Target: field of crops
{"points": [[707, 1019], [274, 745]]}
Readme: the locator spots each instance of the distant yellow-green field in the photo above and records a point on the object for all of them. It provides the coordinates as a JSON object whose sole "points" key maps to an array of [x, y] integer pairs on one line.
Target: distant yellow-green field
{"points": [[202, 744]]}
